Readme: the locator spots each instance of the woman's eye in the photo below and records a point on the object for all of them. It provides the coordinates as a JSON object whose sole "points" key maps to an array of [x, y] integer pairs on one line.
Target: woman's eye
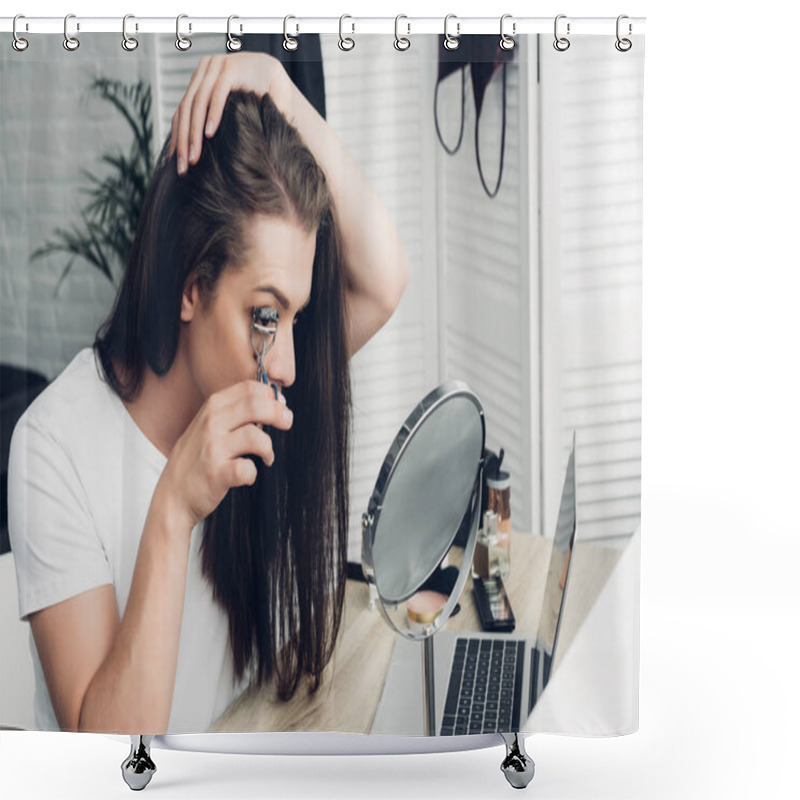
{"points": [[266, 318]]}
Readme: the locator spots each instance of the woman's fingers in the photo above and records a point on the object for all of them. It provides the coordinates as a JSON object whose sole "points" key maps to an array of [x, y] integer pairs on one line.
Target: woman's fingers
{"points": [[248, 71], [256, 404], [243, 403], [212, 85], [186, 111], [183, 106], [217, 104], [251, 440], [190, 115], [201, 108]]}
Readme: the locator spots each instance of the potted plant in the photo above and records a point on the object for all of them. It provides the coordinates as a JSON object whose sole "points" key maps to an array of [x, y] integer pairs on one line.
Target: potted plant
{"points": [[109, 219]]}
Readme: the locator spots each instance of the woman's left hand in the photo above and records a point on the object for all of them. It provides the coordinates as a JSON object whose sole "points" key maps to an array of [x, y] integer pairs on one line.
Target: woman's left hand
{"points": [[200, 110]]}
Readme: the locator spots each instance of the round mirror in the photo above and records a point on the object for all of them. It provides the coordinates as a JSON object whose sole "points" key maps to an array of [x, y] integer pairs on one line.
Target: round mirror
{"points": [[428, 488]]}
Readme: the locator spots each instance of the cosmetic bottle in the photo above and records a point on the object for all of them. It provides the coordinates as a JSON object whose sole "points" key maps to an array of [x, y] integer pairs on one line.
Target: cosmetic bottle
{"points": [[499, 501], [487, 535]]}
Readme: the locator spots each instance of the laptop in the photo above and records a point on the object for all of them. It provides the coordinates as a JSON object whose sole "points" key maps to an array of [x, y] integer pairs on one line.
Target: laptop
{"points": [[484, 682]]}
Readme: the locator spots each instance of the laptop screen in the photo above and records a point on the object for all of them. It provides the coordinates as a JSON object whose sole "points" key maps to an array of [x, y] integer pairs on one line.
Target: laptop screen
{"points": [[563, 542]]}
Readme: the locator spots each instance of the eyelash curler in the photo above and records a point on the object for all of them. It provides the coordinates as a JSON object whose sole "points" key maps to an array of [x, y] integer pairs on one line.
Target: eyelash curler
{"points": [[265, 322], [263, 330]]}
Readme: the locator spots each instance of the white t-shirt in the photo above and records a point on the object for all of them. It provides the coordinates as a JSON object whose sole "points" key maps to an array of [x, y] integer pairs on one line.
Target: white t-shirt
{"points": [[80, 480]]}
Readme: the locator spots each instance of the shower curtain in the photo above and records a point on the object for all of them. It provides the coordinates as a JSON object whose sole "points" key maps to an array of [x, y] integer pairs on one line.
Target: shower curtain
{"points": [[495, 239]]}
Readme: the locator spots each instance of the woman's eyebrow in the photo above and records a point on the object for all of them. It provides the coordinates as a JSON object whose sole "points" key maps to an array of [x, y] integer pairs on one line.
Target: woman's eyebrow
{"points": [[280, 296]]}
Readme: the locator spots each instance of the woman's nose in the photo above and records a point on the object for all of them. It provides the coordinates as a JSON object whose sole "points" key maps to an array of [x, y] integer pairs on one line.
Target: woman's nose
{"points": [[280, 366]]}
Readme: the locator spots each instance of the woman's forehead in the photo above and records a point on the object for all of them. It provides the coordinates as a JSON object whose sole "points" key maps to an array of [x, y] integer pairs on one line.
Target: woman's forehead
{"points": [[278, 256]]}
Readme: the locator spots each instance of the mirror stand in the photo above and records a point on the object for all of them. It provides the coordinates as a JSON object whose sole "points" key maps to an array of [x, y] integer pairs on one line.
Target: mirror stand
{"points": [[428, 691]]}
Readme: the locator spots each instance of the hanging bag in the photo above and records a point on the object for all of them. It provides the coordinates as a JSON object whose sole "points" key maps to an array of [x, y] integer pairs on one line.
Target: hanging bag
{"points": [[484, 56]]}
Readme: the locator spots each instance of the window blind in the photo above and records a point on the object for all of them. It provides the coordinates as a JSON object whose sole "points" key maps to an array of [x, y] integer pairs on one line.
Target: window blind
{"points": [[488, 268], [591, 162]]}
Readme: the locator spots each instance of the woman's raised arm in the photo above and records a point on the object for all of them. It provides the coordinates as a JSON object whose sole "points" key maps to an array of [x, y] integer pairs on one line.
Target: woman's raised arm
{"points": [[375, 259]]}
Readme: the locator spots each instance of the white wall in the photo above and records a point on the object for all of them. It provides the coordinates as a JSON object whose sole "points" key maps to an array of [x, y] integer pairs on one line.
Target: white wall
{"points": [[51, 129]]}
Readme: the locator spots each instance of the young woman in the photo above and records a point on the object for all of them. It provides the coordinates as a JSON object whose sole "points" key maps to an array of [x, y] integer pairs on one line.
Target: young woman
{"points": [[178, 495]]}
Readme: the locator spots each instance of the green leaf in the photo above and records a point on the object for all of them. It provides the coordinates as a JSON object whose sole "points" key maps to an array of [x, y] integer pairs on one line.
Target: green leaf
{"points": [[63, 275], [111, 215]]}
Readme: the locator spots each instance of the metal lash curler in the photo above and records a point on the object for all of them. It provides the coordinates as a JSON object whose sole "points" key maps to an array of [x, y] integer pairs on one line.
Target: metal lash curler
{"points": [[263, 330]]}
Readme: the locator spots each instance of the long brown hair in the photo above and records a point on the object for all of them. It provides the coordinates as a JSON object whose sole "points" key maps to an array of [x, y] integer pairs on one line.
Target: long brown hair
{"points": [[275, 552]]}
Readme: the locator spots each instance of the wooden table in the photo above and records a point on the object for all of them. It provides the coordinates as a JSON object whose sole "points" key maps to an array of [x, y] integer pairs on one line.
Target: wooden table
{"points": [[353, 680]]}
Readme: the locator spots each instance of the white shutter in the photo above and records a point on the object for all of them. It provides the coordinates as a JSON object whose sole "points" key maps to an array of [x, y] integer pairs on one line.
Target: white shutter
{"points": [[591, 162], [488, 268], [378, 104]]}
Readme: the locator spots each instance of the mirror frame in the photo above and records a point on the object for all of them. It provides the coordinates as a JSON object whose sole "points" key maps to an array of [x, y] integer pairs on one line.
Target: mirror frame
{"points": [[370, 519]]}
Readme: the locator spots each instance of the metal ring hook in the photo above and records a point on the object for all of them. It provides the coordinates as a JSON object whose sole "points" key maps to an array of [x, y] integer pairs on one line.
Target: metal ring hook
{"points": [[233, 44], [70, 42], [623, 45], [561, 43], [451, 42], [18, 43], [290, 44], [401, 42], [506, 42], [181, 42], [129, 43], [346, 42]]}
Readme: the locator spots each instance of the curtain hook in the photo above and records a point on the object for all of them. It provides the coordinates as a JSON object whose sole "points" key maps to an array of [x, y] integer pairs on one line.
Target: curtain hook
{"points": [[181, 42], [345, 42], [401, 42], [128, 42], [70, 42], [18, 43], [289, 43], [451, 42], [561, 43], [233, 44], [623, 45], [506, 42]]}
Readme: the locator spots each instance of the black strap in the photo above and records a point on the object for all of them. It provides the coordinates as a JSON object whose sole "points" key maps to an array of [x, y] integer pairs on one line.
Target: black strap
{"points": [[502, 145], [436, 113]]}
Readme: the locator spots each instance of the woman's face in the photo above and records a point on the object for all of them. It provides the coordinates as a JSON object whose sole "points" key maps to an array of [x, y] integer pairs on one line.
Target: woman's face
{"points": [[276, 273]]}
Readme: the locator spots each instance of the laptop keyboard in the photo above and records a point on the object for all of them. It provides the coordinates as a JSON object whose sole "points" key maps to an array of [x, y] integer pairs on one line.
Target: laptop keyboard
{"points": [[485, 689]]}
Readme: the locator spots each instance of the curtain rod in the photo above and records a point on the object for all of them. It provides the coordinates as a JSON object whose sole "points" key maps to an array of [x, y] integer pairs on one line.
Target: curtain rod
{"points": [[406, 26]]}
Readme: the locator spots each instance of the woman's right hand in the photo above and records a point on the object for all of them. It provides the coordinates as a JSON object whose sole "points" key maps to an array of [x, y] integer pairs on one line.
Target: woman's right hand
{"points": [[208, 459]]}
